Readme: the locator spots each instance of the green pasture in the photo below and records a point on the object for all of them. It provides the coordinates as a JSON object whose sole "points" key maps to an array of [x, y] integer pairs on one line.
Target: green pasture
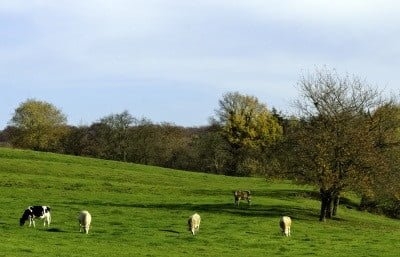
{"points": [[141, 210]]}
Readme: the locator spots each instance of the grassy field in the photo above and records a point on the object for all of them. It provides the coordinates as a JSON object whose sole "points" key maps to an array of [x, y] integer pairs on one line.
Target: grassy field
{"points": [[142, 211]]}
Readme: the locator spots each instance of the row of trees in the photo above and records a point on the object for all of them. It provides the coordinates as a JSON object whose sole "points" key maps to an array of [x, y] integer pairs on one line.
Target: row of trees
{"points": [[346, 136]]}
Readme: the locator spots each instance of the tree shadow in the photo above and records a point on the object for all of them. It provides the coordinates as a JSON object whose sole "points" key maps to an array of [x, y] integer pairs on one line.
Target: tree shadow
{"points": [[245, 210], [170, 231], [286, 194], [255, 210], [289, 194]]}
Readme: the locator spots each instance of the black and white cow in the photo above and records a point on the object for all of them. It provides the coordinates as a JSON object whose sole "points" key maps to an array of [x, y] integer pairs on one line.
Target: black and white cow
{"points": [[33, 212]]}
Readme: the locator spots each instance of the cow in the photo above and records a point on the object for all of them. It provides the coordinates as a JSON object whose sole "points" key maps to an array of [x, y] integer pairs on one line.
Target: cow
{"points": [[84, 219], [194, 223], [242, 195], [33, 212], [284, 223]]}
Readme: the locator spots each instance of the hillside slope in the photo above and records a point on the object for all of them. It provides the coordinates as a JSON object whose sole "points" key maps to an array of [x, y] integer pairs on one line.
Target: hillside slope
{"points": [[142, 211]]}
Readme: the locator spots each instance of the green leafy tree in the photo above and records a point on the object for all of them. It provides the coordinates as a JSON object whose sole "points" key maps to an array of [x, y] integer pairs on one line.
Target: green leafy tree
{"points": [[116, 133], [78, 142], [40, 125], [383, 193], [248, 126], [158, 144], [210, 151]]}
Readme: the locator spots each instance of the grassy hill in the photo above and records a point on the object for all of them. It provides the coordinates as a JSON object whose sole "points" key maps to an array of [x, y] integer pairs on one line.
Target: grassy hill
{"points": [[142, 211]]}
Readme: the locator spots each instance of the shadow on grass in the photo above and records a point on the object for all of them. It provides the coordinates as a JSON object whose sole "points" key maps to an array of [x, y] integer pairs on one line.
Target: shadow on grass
{"points": [[285, 194], [227, 208], [55, 230], [299, 193], [254, 210]]}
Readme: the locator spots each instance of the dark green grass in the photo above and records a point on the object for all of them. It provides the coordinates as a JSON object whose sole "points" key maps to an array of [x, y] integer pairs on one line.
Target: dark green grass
{"points": [[142, 211]]}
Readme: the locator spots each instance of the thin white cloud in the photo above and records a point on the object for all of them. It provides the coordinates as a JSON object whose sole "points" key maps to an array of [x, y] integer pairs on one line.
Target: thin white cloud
{"points": [[323, 11]]}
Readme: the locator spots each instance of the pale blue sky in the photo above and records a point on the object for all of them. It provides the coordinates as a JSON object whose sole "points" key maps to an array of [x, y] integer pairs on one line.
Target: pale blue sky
{"points": [[172, 60]]}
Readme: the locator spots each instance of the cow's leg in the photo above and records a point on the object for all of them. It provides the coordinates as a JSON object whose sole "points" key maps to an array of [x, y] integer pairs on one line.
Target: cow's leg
{"points": [[48, 219]]}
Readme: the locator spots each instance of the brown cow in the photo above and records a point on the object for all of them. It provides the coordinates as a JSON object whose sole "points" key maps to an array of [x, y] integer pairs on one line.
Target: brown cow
{"points": [[242, 195]]}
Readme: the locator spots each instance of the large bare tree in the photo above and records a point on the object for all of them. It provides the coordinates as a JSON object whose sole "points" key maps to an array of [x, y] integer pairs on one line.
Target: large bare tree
{"points": [[336, 141]]}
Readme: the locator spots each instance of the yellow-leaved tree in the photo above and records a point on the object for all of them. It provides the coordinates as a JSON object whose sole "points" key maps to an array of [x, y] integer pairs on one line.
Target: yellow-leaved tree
{"points": [[39, 125], [249, 128]]}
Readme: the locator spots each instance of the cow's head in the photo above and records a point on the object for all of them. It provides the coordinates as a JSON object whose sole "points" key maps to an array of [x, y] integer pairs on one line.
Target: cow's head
{"points": [[27, 213]]}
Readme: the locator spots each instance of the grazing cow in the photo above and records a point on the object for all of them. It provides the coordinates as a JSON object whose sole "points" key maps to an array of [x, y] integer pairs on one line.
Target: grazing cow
{"points": [[33, 212], [285, 222], [242, 195], [84, 219], [194, 223]]}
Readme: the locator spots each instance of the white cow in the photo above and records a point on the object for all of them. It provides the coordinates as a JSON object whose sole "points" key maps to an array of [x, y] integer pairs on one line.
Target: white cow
{"points": [[194, 223], [284, 223], [84, 219]]}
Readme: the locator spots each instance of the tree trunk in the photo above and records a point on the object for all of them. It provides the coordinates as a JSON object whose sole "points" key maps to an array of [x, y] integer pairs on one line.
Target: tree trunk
{"points": [[326, 204], [335, 204], [322, 216], [329, 206]]}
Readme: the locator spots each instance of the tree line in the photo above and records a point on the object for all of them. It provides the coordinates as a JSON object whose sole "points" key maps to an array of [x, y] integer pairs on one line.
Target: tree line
{"points": [[345, 137]]}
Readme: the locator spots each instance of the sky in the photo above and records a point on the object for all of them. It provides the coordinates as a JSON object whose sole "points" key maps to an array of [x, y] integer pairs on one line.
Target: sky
{"points": [[173, 60]]}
